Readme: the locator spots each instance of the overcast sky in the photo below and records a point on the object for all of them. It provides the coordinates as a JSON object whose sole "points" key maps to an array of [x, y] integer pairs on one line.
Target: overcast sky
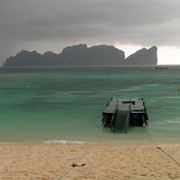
{"points": [[51, 25]]}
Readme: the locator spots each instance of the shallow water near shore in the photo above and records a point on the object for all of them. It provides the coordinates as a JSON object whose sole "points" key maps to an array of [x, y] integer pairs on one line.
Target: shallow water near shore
{"points": [[64, 105]]}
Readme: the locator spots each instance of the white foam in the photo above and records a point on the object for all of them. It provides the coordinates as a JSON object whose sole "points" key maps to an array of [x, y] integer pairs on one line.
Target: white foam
{"points": [[4, 143], [172, 121], [62, 142]]}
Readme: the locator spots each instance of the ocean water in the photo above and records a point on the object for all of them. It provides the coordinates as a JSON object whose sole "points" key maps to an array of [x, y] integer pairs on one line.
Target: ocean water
{"points": [[64, 105]]}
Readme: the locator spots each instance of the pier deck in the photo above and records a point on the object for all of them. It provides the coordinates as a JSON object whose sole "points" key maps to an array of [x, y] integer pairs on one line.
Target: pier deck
{"points": [[123, 112]]}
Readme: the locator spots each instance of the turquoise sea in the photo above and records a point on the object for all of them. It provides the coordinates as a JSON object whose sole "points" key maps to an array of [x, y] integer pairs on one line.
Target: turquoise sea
{"points": [[64, 105]]}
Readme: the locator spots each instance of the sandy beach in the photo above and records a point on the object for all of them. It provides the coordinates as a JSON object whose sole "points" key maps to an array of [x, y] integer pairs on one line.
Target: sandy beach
{"points": [[43, 162]]}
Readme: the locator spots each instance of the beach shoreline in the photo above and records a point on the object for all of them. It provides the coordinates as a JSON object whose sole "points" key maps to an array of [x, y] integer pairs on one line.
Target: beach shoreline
{"points": [[44, 161]]}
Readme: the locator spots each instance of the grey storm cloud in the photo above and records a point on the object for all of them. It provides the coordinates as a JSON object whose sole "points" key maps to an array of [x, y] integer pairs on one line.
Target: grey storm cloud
{"points": [[138, 22]]}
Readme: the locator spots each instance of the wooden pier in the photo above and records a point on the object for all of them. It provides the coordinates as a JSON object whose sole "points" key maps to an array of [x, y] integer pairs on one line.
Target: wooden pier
{"points": [[119, 114]]}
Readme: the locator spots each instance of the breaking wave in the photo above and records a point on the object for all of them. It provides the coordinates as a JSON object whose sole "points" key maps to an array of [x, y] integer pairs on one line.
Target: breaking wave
{"points": [[62, 142]]}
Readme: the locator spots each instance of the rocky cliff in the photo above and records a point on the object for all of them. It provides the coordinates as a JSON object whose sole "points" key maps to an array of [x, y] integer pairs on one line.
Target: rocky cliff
{"points": [[143, 57], [79, 55]]}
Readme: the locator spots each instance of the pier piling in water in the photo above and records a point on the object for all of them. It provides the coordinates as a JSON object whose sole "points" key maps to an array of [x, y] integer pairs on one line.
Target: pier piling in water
{"points": [[119, 114]]}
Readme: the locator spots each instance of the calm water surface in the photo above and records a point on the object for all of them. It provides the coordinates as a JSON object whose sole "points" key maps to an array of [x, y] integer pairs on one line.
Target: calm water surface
{"points": [[64, 105]]}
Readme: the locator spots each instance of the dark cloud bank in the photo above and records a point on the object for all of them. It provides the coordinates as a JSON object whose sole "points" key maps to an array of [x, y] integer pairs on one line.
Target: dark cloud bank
{"points": [[44, 24]]}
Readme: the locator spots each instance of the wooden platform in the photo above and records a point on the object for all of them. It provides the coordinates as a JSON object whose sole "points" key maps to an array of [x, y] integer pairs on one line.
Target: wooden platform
{"points": [[138, 106], [135, 107]]}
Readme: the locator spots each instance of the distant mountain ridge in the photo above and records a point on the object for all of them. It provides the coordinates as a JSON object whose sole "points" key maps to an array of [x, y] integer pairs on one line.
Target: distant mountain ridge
{"points": [[81, 55]]}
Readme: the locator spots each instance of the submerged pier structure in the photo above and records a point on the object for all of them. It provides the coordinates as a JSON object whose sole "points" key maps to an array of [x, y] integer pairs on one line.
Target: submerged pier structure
{"points": [[119, 114]]}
